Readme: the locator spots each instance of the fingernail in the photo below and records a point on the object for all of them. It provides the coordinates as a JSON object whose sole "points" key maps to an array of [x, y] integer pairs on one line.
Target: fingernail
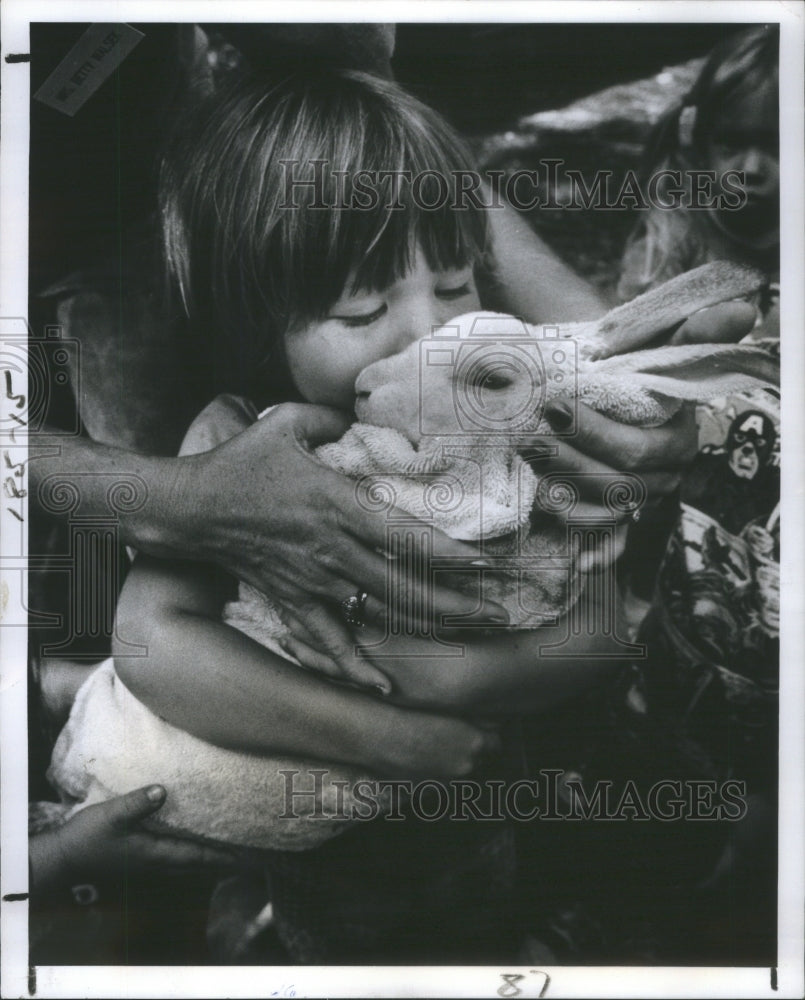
{"points": [[155, 793], [559, 415], [384, 689]]}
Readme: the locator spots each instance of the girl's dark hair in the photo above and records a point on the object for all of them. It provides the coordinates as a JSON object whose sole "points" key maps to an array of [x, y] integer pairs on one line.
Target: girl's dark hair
{"points": [[256, 254], [742, 64], [737, 68]]}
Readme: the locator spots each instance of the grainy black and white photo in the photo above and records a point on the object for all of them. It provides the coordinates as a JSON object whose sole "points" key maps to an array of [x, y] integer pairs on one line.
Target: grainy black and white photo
{"points": [[392, 577]]}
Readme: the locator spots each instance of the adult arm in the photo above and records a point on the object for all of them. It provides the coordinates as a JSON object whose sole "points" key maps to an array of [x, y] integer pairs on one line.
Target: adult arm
{"points": [[530, 280], [251, 506]]}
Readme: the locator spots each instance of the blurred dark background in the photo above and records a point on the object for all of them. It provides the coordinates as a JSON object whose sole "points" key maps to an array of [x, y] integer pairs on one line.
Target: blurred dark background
{"points": [[92, 176], [483, 77]]}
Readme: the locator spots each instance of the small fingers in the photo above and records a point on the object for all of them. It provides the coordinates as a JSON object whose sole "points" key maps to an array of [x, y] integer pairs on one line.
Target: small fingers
{"points": [[155, 849], [123, 811]]}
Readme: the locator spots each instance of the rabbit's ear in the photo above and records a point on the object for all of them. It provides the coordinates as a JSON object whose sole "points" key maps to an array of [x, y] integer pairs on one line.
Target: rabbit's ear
{"points": [[698, 371], [638, 322]]}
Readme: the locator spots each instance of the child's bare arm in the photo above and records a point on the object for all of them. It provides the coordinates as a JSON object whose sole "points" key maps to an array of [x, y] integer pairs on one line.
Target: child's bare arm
{"points": [[499, 672], [211, 680]]}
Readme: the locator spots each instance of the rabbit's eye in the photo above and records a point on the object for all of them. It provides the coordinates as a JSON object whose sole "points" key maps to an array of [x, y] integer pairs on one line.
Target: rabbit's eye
{"points": [[492, 378]]}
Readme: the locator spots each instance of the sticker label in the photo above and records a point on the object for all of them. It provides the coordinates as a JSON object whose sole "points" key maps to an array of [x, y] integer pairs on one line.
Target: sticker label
{"points": [[93, 58]]}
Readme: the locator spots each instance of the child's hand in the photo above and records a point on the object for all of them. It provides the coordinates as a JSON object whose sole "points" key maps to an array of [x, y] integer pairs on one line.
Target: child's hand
{"points": [[105, 840], [420, 744]]}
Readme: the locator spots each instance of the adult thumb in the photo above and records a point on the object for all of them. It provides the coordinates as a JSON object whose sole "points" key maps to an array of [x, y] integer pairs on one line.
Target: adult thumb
{"points": [[125, 810], [725, 323]]}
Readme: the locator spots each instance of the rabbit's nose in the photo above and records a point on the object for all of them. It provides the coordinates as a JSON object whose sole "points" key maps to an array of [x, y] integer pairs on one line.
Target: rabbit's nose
{"points": [[372, 377], [362, 384]]}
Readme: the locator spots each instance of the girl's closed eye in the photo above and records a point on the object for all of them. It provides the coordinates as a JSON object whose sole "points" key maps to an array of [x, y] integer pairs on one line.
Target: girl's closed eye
{"points": [[455, 293], [362, 319], [455, 284], [353, 314]]}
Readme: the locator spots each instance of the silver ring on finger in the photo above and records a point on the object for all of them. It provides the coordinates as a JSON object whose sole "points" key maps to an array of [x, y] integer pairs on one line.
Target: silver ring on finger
{"points": [[352, 609]]}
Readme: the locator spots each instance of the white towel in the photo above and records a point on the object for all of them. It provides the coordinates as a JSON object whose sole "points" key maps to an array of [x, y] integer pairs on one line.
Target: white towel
{"points": [[112, 744]]}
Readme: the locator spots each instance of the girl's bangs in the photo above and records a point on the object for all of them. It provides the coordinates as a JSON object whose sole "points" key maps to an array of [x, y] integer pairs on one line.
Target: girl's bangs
{"points": [[738, 69], [449, 239], [425, 210], [256, 254]]}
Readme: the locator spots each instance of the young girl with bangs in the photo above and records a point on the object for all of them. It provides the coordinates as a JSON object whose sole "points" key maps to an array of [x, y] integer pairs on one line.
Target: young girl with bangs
{"points": [[727, 127], [297, 295]]}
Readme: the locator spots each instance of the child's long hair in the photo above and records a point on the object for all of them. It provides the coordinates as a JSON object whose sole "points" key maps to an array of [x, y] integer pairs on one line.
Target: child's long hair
{"points": [[252, 255], [742, 65]]}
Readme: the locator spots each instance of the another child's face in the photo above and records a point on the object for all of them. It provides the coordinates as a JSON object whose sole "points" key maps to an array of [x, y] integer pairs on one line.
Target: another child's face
{"points": [[326, 356], [745, 138]]}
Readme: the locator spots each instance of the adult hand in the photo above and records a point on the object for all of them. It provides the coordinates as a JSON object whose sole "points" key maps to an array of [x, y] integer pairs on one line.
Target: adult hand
{"points": [[602, 447], [264, 508], [602, 450], [722, 324], [105, 840]]}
